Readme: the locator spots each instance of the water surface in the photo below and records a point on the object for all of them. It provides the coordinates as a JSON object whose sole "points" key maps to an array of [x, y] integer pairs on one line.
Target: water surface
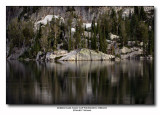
{"points": [[83, 82]]}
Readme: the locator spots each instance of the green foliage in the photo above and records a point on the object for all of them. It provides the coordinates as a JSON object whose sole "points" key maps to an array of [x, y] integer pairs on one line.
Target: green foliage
{"points": [[78, 34], [28, 33], [142, 31], [136, 11], [20, 33], [113, 21], [133, 26], [143, 15], [94, 36], [15, 34], [69, 25], [54, 33], [123, 33], [37, 40], [104, 28]]}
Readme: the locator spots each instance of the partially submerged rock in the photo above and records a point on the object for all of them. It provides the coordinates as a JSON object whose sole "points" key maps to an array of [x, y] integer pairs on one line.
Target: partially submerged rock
{"points": [[39, 55], [85, 55], [132, 55], [117, 59], [50, 56], [71, 56], [60, 52]]}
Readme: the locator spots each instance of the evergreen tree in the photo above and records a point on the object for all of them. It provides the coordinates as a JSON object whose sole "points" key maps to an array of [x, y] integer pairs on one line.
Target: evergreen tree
{"points": [[142, 34], [28, 33], [128, 31], [143, 15], [123, 33], [55, 31], [37, 39], [133, 27], [104, 43], [113, 21], [78, 34], [69, 25], [94, 37], [136, 11], [15, 33]]}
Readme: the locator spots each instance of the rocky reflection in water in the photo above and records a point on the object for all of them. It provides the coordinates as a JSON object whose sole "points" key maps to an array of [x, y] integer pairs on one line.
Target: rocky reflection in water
{"points": [[83, 82]]}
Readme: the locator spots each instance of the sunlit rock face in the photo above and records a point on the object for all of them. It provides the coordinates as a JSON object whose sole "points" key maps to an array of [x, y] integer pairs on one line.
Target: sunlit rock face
{"points": [[131, 53], [125, 50], [85, 54], [47, 19], [113, 37]]}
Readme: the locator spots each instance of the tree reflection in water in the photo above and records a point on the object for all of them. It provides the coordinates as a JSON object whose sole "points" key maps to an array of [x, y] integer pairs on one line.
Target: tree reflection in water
{"points": [[82, 82]]}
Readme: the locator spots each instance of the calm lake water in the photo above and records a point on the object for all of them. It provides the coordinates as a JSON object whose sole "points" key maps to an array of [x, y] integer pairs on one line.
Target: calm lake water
{"points": [[83, 82]]}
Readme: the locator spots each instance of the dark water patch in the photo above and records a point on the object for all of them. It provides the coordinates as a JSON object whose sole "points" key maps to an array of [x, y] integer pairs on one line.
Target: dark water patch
{"points": [[83, 82]]}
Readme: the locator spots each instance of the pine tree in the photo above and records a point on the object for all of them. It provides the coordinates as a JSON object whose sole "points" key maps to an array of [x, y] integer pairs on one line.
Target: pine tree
{"points": [[113, 21], [123, 33], [69, 25], [133, 27], [136, 11], [143, 15], [142, 35], [78, 34], [37, 40], [55, 31]]}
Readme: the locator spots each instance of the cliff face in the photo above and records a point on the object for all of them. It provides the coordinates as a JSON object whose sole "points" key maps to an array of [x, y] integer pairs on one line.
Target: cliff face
{"points": [[12, 12], [85, 12]]}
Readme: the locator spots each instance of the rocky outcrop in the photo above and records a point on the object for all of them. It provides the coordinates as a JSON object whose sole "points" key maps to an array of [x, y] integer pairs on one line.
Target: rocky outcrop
{"points": [[50, 56], [117, 59], [125, 50], [40, 56], [113, 37], [131, 53], [85, 55], [16, 53]]}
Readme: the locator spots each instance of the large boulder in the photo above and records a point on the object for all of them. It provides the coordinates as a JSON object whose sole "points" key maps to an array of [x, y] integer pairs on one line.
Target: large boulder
{"points": [[71, 56], [50, 56], [141, 44], [125, 50], [60, 52], [132, 55], [113, 37], [106, 56], [95, 55], [85, 54]]}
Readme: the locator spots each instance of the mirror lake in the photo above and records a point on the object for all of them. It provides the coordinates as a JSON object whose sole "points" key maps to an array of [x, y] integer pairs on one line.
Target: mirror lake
{"points": [[80, 82]]}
